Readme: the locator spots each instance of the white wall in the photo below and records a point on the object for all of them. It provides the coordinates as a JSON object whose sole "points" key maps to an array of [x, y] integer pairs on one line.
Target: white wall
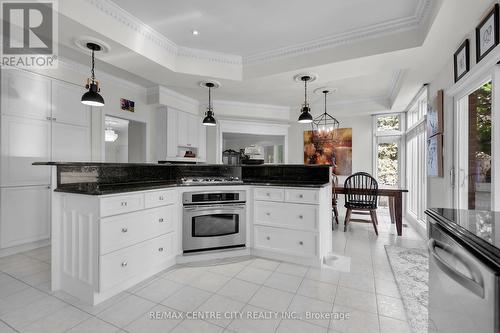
{"points": [[439, 190]]}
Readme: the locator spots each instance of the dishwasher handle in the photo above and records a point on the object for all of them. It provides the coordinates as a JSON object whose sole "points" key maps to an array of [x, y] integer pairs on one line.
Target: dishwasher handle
{"points": [[472, 285]]}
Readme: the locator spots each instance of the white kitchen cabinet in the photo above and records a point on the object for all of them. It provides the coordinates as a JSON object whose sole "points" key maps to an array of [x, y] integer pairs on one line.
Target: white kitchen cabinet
{"points": [[177, 132], [24, 141], [187, 130], [66, 105], [102, 245], [292, 222], [25, 212], [70, 143], [25, 94], [42, 119]]}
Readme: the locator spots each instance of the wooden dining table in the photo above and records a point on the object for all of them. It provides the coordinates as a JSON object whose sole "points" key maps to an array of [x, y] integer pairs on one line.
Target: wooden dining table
{"points": [[395, 196]]}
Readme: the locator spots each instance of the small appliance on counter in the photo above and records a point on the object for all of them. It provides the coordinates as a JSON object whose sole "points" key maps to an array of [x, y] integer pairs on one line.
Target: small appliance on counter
{"points": [[231, 157], [253, 155]]}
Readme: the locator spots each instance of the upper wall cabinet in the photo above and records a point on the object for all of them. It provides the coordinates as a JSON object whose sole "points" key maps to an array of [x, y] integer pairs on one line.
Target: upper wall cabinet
{"points": [[178, 132], [25, 94], [66, 106]]}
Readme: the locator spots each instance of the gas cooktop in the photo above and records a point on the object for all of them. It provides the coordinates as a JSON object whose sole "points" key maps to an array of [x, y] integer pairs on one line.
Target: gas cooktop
{"points": [[211, 180]]}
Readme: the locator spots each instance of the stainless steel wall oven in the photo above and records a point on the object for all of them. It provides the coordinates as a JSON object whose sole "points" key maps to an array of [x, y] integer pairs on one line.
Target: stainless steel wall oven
{"points": [[213, 220]]}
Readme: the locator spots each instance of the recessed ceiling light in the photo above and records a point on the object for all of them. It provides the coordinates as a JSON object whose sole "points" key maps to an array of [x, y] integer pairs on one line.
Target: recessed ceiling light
{"points": [[195, 32]]}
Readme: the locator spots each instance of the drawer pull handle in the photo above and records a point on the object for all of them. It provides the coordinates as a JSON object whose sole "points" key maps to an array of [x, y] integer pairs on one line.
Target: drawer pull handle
{"points": [[160, 219], [268, 238], [124, 203], [268, 194], [301, 216], [160, 198], [268, 214], [301, 196], [124, 229], [124, 264], [160, 249], [301, 243]]}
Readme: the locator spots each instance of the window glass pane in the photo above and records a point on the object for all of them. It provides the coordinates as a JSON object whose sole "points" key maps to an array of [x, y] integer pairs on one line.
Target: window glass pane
{"points": [[388, 123], [479, 178], [388, 163]]}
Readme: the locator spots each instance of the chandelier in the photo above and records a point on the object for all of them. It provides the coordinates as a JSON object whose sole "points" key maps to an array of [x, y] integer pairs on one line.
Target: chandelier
{"points": [[325, 123], [110, 135]]}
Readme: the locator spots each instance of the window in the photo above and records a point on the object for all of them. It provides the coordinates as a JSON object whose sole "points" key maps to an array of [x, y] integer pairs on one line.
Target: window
{"points": [[416, 175], [388, 152]]}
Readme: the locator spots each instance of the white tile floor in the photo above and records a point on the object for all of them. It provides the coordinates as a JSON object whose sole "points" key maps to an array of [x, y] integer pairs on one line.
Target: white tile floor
{"points": [[367, 292]]}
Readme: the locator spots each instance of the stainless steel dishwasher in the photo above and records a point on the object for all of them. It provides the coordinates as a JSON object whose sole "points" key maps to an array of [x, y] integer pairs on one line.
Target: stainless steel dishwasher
{"points": [[463, 290]]}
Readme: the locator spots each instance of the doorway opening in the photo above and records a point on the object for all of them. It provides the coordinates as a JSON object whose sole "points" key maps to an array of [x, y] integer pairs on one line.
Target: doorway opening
{"points": [[125, 140]]}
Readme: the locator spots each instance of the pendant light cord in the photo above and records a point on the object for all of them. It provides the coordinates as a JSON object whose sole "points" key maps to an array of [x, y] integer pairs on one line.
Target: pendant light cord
{"points": [[93, 65], [210, 98], [305, 92]]}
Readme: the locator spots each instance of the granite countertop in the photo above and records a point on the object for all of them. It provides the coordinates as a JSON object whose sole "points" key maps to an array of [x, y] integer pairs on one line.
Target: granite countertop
{"points": [[478, 229], [104, 189]]}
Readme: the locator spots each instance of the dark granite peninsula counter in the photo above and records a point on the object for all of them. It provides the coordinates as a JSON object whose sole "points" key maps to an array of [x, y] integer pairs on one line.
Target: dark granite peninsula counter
{"points": [[108, 178], [478, 231]]}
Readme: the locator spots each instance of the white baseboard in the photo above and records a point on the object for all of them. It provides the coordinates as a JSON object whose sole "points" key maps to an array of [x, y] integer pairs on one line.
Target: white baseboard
{"points": [[23, 248]]}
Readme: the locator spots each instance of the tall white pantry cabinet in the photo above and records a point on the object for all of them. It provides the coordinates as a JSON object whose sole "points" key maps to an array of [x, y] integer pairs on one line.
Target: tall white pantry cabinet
{"points": [[41, 119]]}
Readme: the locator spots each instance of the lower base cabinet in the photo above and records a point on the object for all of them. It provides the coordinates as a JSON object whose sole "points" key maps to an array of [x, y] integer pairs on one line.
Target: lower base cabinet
{"points": [[24, 215], [291, 242]]}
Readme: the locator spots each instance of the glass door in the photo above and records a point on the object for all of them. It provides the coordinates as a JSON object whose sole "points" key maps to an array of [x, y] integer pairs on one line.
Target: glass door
{"points": [[473, 149]]}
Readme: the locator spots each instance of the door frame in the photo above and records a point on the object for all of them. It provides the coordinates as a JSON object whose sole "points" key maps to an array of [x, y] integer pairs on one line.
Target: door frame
{"points": [[460, 143]]}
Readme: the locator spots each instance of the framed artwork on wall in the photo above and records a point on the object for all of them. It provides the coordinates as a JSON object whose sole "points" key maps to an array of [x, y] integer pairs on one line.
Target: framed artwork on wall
{"points": [[435, 156], [462, 60], [435, 115], [127, 105], [330, 147], [487, 34]]}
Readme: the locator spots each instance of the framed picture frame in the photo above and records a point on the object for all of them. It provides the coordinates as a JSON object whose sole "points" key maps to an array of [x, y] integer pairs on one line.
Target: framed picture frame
{"points": [[127, 105], [462, 60], [435, 156], [487, 34], [435, 116]]}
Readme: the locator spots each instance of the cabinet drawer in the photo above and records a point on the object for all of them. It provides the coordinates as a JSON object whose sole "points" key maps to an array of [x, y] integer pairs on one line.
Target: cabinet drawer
{"points": [[292, 242], [302, 196], [159, 198], [286, 214], [121, 204], [124, 230], [269, 193], [119, 266]]}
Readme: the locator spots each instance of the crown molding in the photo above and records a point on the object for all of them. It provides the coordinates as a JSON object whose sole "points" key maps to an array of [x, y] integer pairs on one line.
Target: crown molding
{"points": [[349, 37], [131, 22]]}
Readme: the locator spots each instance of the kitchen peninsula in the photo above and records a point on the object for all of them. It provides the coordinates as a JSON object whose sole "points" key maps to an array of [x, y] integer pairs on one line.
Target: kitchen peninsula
{"points": [[114, 225]]}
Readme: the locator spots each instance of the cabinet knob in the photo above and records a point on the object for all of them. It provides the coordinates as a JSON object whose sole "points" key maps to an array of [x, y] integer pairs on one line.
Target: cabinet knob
{"points": [[268, 213], [301, 243], [124, 203], [160, 219], [124, 264], [124, 229], [160, 198], [268, 194], [48, 118], [160, 249], [268, 238], [301, 196], [54, 118], [301, 216]]}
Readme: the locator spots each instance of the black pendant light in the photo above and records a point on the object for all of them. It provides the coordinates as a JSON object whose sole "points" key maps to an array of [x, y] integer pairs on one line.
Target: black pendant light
{"points": [[92, 96], [209, 119], [305, 112], [325, 123]]}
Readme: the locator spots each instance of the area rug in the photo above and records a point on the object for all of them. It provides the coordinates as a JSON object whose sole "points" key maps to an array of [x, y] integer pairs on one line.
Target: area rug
{"points": [[410, 267]]}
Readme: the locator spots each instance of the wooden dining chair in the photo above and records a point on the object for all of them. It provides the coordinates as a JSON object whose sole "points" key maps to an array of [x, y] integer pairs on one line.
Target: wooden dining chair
{"points": [[361, 198], [335, 197]]}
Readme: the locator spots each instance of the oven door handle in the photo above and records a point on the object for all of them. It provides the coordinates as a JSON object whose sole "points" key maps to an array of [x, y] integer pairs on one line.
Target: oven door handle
{"points": [[214, 207], [473, 286]]}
